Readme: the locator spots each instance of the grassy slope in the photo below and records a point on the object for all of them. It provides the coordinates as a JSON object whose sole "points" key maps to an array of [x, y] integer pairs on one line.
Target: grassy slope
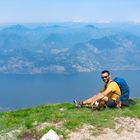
{"points": [[27, 119]]}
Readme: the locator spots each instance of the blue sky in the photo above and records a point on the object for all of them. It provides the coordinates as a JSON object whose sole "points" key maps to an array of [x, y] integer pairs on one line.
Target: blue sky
{"points": [[69, 10]]}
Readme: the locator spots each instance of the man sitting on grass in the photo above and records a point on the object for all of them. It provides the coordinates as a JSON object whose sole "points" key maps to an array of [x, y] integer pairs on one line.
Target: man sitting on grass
{"points": [[109, 94]]}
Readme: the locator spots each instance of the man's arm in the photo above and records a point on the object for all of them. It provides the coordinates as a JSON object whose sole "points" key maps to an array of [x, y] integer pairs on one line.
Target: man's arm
{"points": [[100, 95]]}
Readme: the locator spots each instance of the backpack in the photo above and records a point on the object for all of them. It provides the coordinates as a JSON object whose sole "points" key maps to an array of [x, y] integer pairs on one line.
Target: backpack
{"points": [[125, 92]]}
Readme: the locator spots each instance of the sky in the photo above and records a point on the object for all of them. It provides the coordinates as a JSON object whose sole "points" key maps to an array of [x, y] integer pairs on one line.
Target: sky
{"points": [[29, 11]]}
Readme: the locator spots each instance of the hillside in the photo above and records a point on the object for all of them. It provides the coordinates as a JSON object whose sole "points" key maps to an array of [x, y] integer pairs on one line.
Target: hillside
{"points": [[70, 122], [68, 48]]}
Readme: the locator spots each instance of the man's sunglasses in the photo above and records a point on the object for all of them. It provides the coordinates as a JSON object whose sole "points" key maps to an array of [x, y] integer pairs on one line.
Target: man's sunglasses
{"points": [[104, 77]]}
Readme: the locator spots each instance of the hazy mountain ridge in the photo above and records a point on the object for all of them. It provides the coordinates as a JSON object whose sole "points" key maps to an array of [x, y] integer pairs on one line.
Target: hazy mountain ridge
{"points": [[67, 49]]}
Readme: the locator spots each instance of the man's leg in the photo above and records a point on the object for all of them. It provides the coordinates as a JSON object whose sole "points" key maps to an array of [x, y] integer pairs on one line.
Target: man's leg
{"points": [[79, 104], [88, 101], [111, 103]]}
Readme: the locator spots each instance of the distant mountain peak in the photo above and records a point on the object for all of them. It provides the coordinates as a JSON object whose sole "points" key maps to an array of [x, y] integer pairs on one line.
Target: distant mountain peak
{"points": [[91, 26], [16, 27]]}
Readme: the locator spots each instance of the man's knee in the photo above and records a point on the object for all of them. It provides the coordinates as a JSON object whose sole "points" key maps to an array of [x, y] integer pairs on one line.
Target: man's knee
{"points": [[105, 99]]}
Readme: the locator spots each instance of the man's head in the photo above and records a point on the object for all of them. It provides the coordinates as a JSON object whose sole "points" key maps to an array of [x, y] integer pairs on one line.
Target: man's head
{"points": [[105, 75]]}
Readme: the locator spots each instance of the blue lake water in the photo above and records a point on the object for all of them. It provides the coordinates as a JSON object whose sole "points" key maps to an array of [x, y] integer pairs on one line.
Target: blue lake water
{"points": [[20, 91]]}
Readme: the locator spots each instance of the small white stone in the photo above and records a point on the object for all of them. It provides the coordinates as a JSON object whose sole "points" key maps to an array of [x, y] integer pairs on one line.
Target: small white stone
{"points": [[51, 135]]}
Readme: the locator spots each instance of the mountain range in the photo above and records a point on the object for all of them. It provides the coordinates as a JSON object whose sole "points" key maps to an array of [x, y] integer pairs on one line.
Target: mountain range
{"points": [[69, 47]]}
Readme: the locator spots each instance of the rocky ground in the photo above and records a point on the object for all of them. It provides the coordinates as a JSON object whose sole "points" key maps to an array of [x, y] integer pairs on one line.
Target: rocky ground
{"points": [[124, 129]]}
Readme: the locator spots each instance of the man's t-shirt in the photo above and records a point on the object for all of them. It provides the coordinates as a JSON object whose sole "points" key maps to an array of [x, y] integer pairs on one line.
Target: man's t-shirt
{"points": [[115, 90]]}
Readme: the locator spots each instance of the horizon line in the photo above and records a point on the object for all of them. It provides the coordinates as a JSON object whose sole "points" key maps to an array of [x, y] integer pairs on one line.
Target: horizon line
{"points": [[36, 22]]}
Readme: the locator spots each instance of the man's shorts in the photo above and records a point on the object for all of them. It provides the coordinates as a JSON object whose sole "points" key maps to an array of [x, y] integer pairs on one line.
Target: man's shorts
{"points": [[111, 103]]}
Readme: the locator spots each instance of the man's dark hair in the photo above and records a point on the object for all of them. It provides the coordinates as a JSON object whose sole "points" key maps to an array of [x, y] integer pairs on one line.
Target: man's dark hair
{"points": [[105, 71]]}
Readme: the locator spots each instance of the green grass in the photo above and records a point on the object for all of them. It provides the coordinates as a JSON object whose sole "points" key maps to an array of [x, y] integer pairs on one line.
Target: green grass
{"points": [[71, 118]]}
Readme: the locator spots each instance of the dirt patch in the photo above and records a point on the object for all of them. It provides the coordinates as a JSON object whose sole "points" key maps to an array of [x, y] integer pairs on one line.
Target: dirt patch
{"points": [[29, 136], [9, 135], [125, 128]]}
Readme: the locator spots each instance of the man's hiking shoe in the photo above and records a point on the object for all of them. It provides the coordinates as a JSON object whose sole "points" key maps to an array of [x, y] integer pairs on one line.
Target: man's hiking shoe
{"points": [[78, 104]]}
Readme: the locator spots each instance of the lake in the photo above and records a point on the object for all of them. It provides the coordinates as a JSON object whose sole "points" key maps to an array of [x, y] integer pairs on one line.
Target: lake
{"points": [[20, 91]]}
